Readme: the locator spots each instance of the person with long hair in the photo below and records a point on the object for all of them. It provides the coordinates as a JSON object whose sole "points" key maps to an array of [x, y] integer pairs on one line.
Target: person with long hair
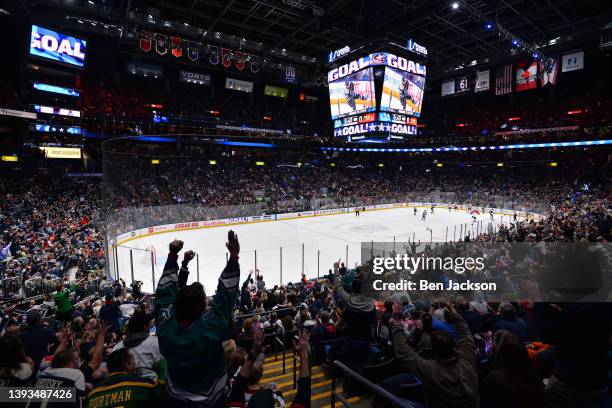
{"points": [[15, 367], [511, 382]]}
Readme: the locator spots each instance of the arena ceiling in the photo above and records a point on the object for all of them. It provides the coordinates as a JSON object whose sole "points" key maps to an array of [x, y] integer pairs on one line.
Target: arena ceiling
{"points": [[306, 30]]}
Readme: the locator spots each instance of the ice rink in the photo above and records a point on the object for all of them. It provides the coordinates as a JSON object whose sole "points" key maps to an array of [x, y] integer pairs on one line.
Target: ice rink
{"points": [[320, 240]]}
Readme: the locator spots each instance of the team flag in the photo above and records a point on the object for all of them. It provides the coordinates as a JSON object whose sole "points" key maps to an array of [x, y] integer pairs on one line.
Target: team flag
{"points": [[192, 50], [526, 76], [213, 56], [177, 46], [503, 80], [161, 44], [145, 41], [549, 68], [254, 60], [240, 60], [226, 57]]}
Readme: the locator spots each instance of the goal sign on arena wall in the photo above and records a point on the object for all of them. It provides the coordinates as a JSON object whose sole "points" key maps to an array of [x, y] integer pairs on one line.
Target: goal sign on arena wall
{"points": [[377, 96]]}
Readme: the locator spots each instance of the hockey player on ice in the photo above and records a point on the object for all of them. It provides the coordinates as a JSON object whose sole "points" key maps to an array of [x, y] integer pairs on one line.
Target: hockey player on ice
{"points": [[424, 215], [350, 94], [491, 214], [415, 211]]}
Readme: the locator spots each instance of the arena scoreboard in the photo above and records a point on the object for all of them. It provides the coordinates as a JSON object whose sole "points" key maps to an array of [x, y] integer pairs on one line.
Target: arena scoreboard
{"points": [[376, 97]]}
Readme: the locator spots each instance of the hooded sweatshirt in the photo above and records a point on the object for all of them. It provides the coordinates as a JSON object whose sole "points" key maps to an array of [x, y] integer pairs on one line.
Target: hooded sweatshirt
{"points": [[447, 383]]}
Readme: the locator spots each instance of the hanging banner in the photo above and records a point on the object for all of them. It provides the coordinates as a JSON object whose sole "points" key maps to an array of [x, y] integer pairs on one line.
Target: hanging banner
{"points": [[145, 41], [226, 57], [192, 50], [254, 64], [548, 71], [526, 76], [177, 46], [482, 81], [290, 76], [573, 61], [161, 44], [462, 84], [213, 55], [240, 60], [448, 87]]}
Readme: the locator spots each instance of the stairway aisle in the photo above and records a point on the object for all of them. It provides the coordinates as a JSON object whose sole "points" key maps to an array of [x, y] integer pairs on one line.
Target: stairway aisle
{"points": [[321, 383]]}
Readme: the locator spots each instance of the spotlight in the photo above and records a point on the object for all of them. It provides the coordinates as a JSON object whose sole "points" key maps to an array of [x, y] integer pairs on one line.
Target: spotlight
{"points": [[515, 42], [455, 5], [489, 26]]}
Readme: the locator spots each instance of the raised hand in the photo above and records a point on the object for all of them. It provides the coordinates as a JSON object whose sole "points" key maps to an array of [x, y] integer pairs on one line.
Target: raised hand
{"points": [[188, 256], [176, 246], [101, 333], [232, 244], [258, 343], [450, 308], [301, 345]]}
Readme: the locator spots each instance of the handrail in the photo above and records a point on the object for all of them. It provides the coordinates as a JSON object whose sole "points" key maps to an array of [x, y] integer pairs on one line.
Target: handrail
{"points": [[282, 343], [265, 312], [296, 359], [363, 381]]}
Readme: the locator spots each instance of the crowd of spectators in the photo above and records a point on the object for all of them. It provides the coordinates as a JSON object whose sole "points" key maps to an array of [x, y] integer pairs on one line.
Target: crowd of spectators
{"points": [[117, 346], [187, 349]]}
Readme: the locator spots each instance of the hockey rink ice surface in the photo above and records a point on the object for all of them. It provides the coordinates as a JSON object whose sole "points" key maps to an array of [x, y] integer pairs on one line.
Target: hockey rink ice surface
{"points": [[324, 239]]}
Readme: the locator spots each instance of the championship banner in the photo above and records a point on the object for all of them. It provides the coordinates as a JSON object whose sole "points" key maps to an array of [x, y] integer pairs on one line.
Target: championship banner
{"points": [[548, 71], [482, 81], [254, 64], [240, 60], [226, 57], [161, 44], [192, 50], [526, 76], [145, 41], [503, 80], [213, 55], [573, 61], [177, 49]]}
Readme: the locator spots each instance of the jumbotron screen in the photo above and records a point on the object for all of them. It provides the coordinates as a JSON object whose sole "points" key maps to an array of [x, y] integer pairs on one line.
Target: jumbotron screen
{"points": [[376, 96], [402, 92], [353, 94]]}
